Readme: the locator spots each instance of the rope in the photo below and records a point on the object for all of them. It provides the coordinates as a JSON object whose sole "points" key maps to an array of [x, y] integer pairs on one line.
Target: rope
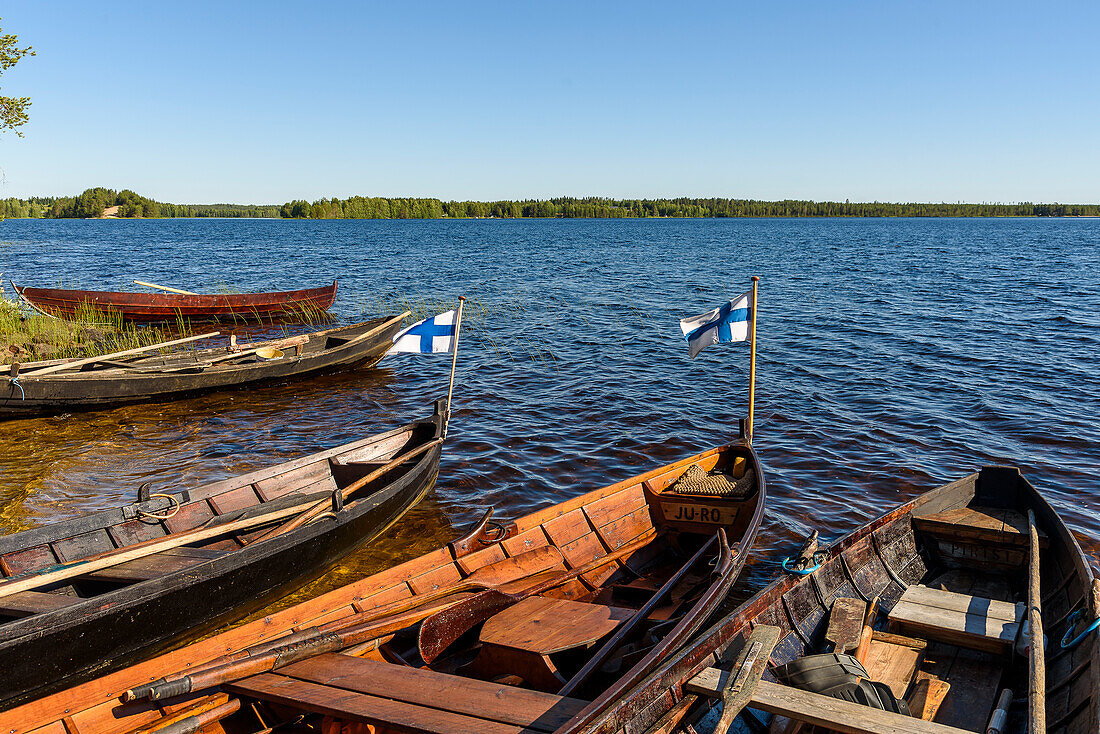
{"points": [[15, 381], [1073, 618], [157, 516], [803, 571]]}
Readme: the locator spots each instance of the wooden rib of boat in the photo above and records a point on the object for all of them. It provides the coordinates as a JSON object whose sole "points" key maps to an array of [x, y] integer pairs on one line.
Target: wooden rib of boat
{"points": [[200, 557], [161, 307], [585, 597], [107, 383], [950, 571]]}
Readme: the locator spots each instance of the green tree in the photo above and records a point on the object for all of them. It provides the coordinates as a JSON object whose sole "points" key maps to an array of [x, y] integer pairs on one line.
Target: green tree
{"points": [[13, 110]]}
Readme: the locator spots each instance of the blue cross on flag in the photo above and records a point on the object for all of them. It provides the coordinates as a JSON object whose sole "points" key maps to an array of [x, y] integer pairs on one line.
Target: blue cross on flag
{"points": [[430, 336], [727, 323]]}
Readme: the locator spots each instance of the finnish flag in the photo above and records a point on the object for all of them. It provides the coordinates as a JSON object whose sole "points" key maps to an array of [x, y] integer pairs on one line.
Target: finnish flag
{"points": [[727, 323], [430, 336]]}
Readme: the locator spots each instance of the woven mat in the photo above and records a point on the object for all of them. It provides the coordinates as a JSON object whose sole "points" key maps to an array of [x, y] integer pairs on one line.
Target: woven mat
{"points": [[718, 483]]}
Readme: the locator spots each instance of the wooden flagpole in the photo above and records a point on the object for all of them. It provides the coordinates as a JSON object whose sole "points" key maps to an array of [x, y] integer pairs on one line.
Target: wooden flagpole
{"points": [[752, 360], [454, 362]]}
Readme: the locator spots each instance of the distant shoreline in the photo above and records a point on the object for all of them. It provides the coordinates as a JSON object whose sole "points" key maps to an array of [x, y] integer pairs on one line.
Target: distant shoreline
{"points": [[97, 203]]}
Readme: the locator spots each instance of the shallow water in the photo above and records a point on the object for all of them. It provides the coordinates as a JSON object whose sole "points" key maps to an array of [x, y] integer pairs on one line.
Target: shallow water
{"points": [[894, 355]]}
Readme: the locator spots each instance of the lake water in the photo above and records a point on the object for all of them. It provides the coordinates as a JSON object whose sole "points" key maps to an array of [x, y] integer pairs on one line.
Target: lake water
{"points": [[894, 355]]}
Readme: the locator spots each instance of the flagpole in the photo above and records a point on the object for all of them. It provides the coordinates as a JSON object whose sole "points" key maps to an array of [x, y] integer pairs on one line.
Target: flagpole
{"points": [[752, 359], [454, 362]]}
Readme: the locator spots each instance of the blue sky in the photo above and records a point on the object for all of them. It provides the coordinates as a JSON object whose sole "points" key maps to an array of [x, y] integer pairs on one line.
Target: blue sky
{"points": [[265, 102]]}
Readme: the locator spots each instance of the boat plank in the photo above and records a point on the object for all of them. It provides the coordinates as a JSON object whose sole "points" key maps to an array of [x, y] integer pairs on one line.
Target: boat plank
{"points": [[813, 708], [351, 706], [481, 699]]}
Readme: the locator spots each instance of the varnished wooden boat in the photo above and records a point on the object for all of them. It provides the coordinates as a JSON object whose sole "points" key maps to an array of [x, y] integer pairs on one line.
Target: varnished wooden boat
{"points": [[586, 596], [950, 571], [205, 555], [161, 307], [107, 383]]}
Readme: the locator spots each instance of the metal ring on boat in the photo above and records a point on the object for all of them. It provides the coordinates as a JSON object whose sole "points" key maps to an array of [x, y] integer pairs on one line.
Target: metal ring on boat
{"points": [[1073, 618], [803, 572], [156, 516]]}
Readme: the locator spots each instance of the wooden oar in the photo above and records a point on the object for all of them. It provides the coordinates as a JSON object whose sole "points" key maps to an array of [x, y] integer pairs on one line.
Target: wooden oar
{"points": [[626, 628], [845, 623], [1037, 670], [331, 639], [745, 676], [165, 288], [868, 631], [145, 548], [440, 630], [91, 360], [354, 629]]}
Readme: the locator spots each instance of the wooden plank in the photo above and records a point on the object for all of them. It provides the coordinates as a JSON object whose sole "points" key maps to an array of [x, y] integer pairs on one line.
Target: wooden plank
{"points": [[484, 557], [609, 509], [27, 560], [29, 603], [525, 541], [235, 499], [813, 708], [972, 631], [568, 527], [978, 524], [622, 530], [83, 545], [191, 515], [501, 703], [546, 626], [135, 531], [351, 706], [949, 600], [975, 681], [438, 578], [894, 665], [155, 565]]}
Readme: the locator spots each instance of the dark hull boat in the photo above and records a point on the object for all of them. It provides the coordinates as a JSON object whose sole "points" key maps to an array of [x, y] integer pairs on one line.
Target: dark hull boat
{"points": [[200, 557], [107, 383], [954, 579], [162, 307], [535, 625]]}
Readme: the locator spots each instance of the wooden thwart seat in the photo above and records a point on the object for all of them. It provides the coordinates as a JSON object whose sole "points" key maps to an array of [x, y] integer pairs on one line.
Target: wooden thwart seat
{"points": [[155, 565], [833, 714], [978, 524], [29, 603], [971, 622], [408, 699], [521, 639]]}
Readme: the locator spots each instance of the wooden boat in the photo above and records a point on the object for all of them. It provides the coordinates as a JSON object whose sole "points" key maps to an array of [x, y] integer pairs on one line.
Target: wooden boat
{"points": [[161, 307], [97, 383], [197, 557], [586, 596], [952, 572]]}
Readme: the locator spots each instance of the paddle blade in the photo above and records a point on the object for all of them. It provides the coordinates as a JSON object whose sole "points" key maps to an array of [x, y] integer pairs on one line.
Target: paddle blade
{"points": [[845, 623], [439, 631]]}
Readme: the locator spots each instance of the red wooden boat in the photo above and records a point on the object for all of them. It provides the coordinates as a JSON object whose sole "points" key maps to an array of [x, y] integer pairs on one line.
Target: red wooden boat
{"points": [[155, 307]]}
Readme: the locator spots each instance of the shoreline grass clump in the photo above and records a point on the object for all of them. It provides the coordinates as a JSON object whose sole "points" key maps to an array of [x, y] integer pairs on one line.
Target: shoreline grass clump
{"points": [[33, 337]]}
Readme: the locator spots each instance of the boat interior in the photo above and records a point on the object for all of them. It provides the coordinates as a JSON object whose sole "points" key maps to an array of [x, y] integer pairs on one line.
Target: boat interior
{"points": [[189, 359], [515, 626], [949, 647], [254, 504]]}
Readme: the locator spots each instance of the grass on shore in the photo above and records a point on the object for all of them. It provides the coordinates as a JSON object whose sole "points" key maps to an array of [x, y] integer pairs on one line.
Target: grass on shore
{"points": [[31, 337]]}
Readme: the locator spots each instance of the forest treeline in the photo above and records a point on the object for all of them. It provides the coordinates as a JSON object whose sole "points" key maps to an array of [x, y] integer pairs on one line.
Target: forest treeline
{"points": [[94, 201]]}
